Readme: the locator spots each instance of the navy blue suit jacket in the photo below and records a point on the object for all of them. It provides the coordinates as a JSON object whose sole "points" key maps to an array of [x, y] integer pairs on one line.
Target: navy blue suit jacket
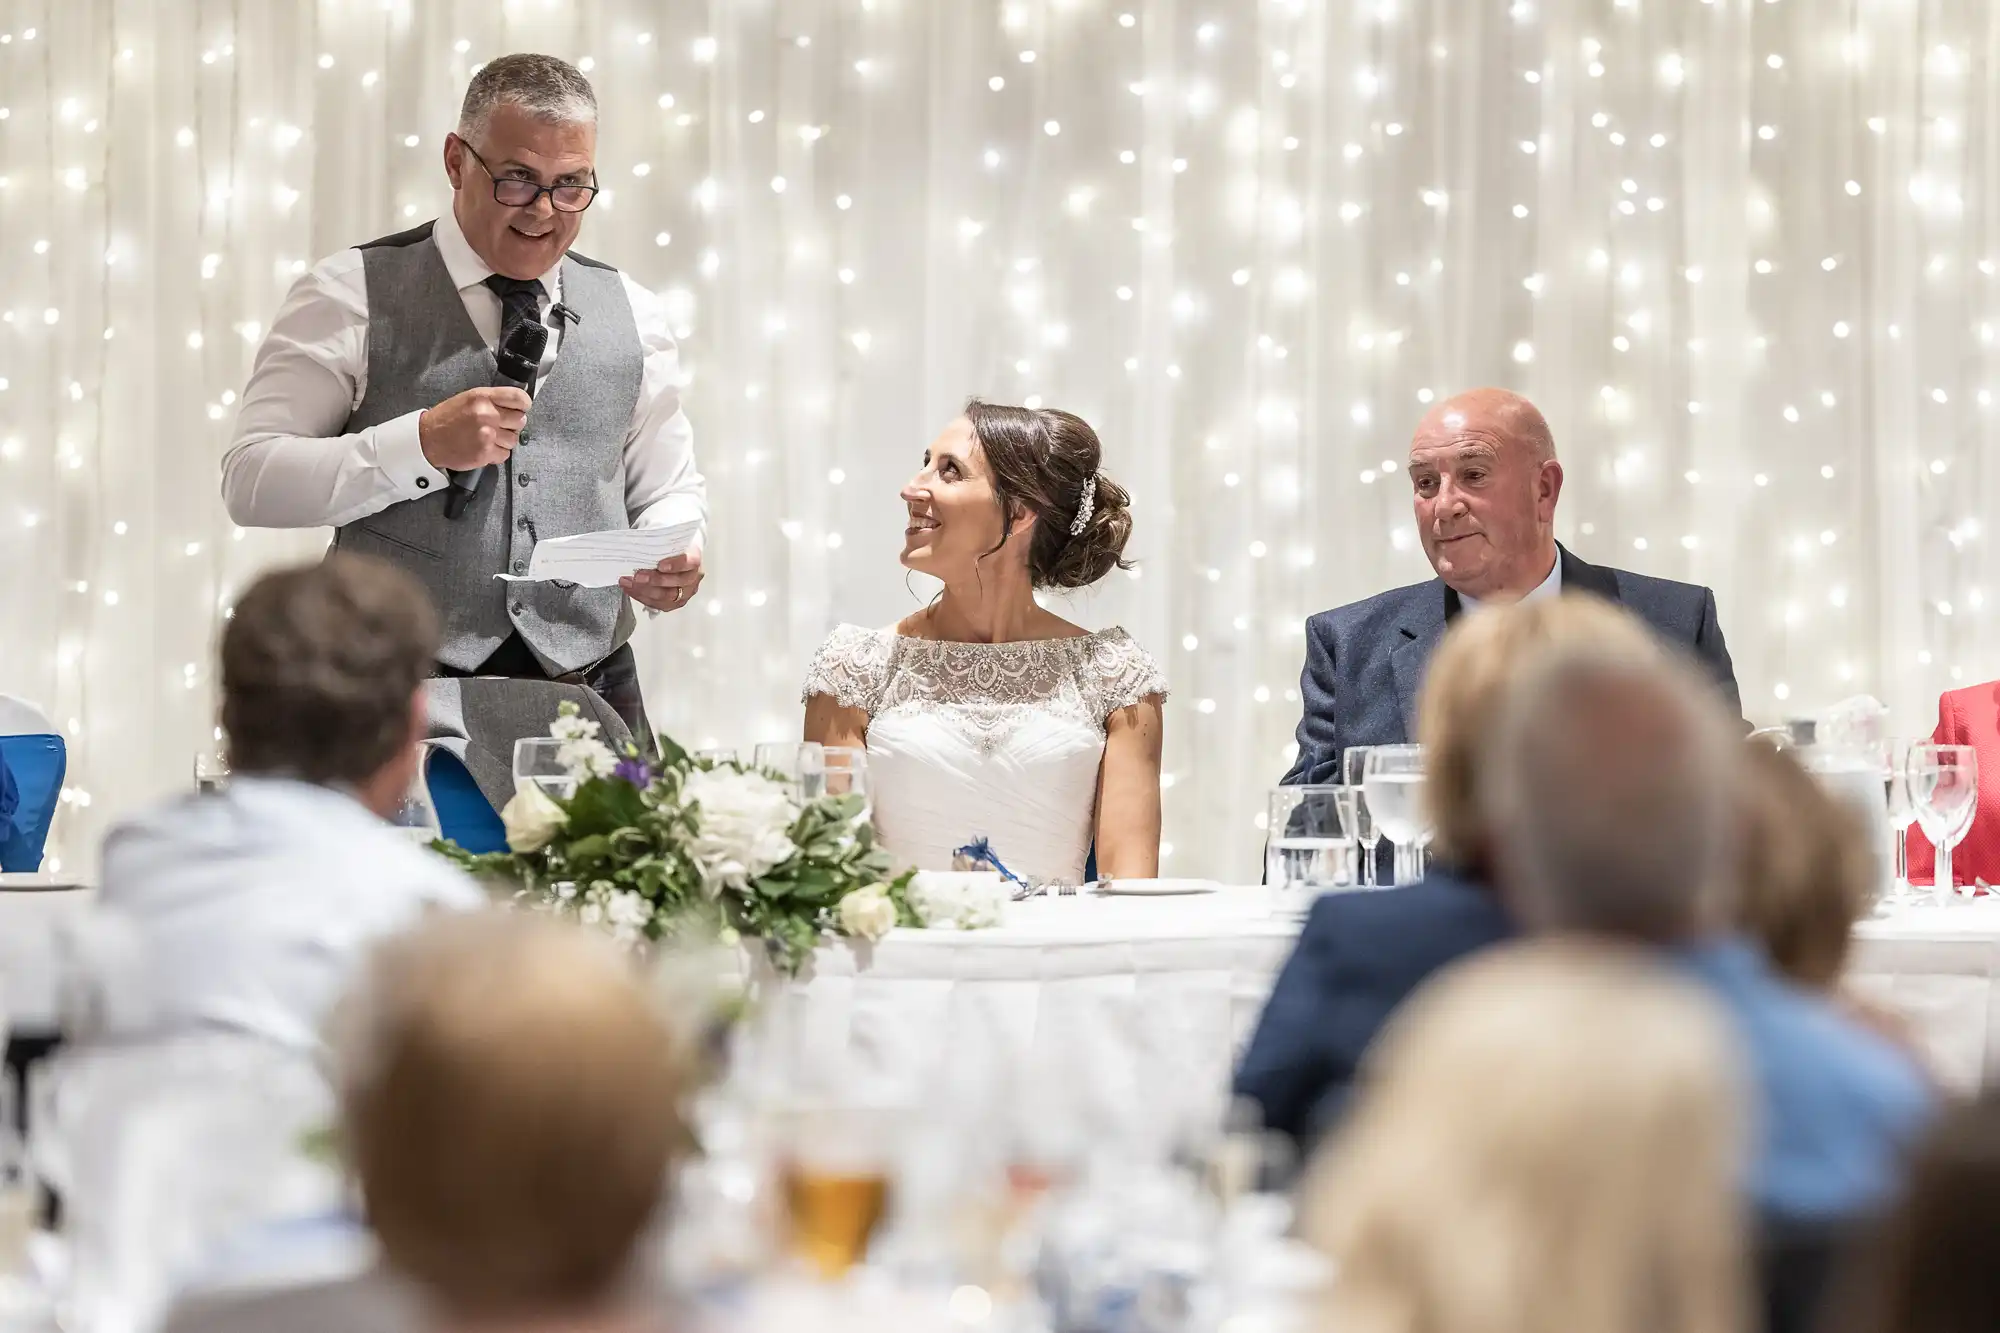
{"points": [[1360, 955], [1365, 661]]}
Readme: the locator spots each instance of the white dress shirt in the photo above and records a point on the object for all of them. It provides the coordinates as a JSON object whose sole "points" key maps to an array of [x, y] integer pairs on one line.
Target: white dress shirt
{"points": [[290, 467], [1548, 587], [250, 910]]}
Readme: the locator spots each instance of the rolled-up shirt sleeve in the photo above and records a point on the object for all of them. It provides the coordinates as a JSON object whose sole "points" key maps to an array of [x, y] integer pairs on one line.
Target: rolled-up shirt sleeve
{"points": [[290, 465], [662, 484]]}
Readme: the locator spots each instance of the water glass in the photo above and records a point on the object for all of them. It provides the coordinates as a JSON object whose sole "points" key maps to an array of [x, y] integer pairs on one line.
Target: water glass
{"points": [[847, 775], [1944, 791], [1310, 829], [719, 755], [1393, 785], [211, 773], [538, 761], [1353, 767], [800, 763], [1894, 756], [416, 815]]}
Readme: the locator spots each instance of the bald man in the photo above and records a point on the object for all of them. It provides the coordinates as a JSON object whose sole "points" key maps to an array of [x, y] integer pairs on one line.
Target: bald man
{"points": [[1484, 472]]}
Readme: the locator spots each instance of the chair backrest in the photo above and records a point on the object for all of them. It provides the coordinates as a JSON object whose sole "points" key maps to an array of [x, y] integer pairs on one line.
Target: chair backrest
{"points": [[38, 763], [464, 814], [18, 717]]}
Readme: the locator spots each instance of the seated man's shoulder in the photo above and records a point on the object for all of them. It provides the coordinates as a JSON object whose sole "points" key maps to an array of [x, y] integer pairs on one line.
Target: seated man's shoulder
{"points": [[1438, 906], [1370, 614], [1849, 1064], [1647, 591]]}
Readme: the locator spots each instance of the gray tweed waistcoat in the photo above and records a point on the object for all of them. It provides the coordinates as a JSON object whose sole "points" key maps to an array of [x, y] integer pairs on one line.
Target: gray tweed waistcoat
{"points": [[567, 475]]}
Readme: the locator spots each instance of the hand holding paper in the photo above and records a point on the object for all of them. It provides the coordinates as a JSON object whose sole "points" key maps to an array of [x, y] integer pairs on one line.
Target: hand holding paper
{"points": [[607, 559]]}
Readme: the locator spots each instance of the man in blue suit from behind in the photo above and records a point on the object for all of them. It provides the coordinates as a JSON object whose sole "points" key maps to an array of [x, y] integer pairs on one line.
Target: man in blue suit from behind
{"points": [[1484, 471]]}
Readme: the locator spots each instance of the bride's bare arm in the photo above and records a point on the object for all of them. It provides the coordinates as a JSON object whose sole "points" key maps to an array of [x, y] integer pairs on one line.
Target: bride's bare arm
{"points": [[830, 722], [1128, 793]]}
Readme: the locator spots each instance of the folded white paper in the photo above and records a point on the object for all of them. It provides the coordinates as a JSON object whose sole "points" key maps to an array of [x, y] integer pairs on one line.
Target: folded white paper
{"points": [[600, 559]]}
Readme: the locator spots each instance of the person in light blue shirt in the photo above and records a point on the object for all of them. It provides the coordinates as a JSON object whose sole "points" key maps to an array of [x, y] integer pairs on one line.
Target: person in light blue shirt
{"points": [[1615, 784]]}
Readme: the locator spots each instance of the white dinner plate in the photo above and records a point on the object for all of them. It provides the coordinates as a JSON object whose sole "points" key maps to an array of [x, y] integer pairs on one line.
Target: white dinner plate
{"points": [[1145, 888]]}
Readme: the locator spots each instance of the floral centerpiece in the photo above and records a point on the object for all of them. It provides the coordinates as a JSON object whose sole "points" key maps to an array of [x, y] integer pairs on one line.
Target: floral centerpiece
{"points": [[682, 847]]}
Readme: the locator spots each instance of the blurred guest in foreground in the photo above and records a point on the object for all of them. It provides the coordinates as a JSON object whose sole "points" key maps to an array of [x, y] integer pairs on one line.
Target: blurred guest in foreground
{"points": [[1806, 876], [1516, 1162], [1362, 954], [1614, 787], [1970, 716], [1931, 1270], [510, 1103], [249, 909]]}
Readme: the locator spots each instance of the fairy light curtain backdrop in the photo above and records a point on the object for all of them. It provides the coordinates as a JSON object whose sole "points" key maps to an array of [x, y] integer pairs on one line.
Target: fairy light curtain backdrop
{"points": [[1742, 252]]}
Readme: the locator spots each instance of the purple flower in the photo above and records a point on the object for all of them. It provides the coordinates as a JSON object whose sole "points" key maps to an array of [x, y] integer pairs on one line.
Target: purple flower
{"points": [[635, 771]]}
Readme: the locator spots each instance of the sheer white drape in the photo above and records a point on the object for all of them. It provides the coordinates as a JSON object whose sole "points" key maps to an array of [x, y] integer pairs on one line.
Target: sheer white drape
{"points": [[1742, 252]]}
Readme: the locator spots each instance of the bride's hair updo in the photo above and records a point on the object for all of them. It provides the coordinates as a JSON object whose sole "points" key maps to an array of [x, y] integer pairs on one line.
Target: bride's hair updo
{"points": [[1041, 461]]}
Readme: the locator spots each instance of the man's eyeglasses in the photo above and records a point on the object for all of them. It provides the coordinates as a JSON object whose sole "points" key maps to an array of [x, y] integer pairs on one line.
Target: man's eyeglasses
{"points": [[513, 192]]}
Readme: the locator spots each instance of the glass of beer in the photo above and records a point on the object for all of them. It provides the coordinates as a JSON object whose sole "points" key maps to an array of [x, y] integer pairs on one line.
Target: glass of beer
{"points": [[835, 1168]]}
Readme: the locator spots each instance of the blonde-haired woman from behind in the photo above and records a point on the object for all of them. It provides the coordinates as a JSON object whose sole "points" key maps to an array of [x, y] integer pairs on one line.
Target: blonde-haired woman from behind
{"points": [[1548, 1140]]}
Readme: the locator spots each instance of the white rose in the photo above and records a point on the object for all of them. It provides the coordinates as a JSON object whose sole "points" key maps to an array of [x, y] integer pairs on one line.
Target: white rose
{"points": [[958, 899], [627, 914], [742, 828], [531, 819], [868, 913]]}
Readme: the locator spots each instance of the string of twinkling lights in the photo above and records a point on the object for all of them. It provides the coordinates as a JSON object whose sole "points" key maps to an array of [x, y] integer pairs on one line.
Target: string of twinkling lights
{"points": [[1738, 250]]}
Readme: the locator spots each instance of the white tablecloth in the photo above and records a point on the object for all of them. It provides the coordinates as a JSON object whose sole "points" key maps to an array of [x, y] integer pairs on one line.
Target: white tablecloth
{"points": [[1138, 993], [1095, 1008], [1939, 968]]}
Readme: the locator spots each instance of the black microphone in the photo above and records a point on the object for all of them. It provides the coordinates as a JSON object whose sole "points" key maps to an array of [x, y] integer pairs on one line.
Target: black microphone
{"points": [[519, 356]]}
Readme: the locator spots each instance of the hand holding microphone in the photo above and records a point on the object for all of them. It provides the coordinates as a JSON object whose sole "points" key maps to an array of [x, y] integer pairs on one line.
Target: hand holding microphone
{"points": [[480, 427]]}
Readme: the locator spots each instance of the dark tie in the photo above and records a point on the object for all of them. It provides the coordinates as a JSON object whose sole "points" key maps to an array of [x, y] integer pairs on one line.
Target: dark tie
{"points": [[520, 298]]}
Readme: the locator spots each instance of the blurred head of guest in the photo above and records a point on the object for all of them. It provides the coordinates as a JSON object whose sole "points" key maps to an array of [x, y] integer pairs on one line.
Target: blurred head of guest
{"points": [[997, 498], [510, 1102], [1517, 1161], [1613, 782], [1616, 787], [1931, 1270], [322, 677], [1805, 871], [1484, 471], [1463, 688], [523, 162]]}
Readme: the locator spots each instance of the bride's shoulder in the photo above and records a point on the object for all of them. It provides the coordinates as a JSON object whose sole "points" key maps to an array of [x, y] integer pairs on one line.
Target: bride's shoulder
{"points": [[850, 665], [1122, 671]]}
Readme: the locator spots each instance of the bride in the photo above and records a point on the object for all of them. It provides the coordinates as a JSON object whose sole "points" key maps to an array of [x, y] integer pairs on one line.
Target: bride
{"points": [[984, 715]]}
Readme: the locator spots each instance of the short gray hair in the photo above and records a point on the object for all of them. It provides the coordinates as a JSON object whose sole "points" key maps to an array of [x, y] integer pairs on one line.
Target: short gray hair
{"points": [[546, 88], [1613, 781]]}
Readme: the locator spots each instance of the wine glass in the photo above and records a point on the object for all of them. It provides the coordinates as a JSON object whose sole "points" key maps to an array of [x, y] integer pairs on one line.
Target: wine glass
{"points": [[1309, 830], [1894, 756], [416, 814], [717, 756], [1353, 767], [1944, 787], [846, 774], [538, 761], [1393, 785]]}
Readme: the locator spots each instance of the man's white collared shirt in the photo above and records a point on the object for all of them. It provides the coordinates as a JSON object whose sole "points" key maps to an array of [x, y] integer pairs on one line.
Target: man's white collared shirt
{"points": [[1548, 587]]}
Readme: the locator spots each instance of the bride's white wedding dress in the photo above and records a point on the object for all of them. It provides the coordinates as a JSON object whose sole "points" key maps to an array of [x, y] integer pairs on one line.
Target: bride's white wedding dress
{"points": [[1001, 741]]}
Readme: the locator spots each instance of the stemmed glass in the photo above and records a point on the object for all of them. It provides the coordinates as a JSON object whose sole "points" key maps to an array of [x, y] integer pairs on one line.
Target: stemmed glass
{"points": [[211, 772], [538, 761], [1393, 783], [1944, 788], [1895, 759], [1353, 767]]}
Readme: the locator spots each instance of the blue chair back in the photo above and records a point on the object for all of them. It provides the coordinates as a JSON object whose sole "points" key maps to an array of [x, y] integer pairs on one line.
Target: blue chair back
{"points": [[38, 763], [464, 815]]}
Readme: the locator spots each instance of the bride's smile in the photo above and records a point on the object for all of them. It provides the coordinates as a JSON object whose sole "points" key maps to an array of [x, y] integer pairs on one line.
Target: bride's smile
{"points": [[955, 518]]}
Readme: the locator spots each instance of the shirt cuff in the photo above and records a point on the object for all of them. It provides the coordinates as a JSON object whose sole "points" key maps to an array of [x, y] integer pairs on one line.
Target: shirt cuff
{"points": [[400, 454]]}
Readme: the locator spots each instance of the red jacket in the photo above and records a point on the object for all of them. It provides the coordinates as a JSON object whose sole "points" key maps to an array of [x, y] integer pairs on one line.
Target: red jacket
{"points": [[1969, 716]]}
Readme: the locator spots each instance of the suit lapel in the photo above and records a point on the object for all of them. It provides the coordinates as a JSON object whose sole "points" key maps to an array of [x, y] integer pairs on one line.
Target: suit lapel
{"points": [[1422, 626], [1580, 576]]}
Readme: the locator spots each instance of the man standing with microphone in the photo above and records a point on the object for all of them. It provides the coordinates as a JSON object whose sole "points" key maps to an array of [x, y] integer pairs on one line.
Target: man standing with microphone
{"points": [[384, 401]]}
